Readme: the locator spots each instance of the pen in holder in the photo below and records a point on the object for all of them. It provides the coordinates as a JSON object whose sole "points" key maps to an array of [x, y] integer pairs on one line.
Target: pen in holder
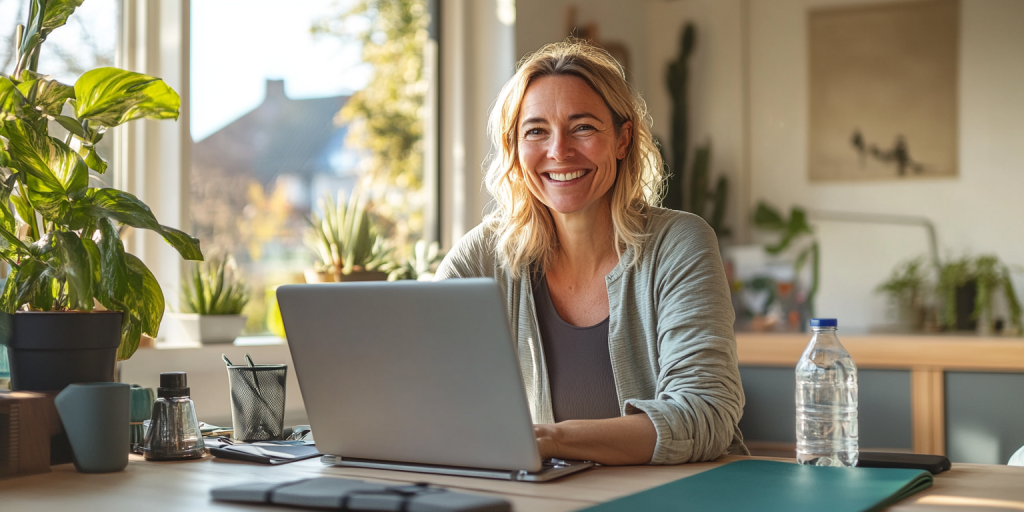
{"points": [[257, 400]]}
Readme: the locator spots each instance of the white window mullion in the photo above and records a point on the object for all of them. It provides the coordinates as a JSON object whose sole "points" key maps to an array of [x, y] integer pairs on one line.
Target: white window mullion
{"points": [[155, 156]]}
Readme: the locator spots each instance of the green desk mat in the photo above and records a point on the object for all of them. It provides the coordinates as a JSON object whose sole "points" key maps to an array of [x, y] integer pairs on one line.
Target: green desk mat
{"points": [[765, 485]]}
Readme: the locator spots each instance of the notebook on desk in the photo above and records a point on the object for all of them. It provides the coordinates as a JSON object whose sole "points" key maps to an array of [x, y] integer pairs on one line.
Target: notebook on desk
{"points": [[766, 486]]}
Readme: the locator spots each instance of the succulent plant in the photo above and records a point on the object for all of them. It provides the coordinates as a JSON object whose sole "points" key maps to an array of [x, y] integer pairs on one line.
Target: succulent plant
{"points": [[344, 238], [214, 288], [422, 265]]}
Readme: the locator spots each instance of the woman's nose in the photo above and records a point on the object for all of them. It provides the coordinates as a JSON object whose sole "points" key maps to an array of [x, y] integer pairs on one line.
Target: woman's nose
{"points": [[560, 148]]}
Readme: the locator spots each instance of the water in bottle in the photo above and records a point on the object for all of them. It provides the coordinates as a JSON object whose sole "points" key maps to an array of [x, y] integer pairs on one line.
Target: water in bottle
{"points": [[826, 400]]}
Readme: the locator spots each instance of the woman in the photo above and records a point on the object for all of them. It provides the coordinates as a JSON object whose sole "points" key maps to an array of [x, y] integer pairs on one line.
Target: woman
{"points": [[620, 309]]}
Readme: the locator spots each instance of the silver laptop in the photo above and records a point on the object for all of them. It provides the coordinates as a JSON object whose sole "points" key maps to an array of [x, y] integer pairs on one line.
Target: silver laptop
{"points": [[414, 376]]}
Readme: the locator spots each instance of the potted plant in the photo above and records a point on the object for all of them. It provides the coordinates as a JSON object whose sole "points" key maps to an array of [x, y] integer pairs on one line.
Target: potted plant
{"points": [[346, 243], [421, 267], [212, 302], [906, 290], [58, 234], [967, 287], [791, 230]]}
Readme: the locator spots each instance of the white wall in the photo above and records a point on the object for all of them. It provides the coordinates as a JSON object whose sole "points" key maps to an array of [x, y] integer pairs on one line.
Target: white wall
{"points": [[545, 21], [975, 212], [749, 95], [477, 58], [650, 29], [717, 100]]}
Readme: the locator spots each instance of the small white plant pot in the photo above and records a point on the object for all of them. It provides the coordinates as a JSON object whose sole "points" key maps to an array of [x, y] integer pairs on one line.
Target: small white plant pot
{"points": [[209, 329]]}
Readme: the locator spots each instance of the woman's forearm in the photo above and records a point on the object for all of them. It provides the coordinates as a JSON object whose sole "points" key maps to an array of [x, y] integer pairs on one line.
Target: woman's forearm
{"points": [[615, 441]]}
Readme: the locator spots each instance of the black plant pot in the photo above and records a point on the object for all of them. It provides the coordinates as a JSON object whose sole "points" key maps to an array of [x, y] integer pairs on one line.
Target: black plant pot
{"points": [[966, 295], [49, 350]]}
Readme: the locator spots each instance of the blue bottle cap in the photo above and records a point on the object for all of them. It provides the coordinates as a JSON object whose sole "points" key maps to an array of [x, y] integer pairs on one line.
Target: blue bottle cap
{"points": [[824, 322]]}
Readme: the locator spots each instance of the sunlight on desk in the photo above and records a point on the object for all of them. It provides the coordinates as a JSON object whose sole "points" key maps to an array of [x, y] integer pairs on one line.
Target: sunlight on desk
{"points": [[960, 501]]}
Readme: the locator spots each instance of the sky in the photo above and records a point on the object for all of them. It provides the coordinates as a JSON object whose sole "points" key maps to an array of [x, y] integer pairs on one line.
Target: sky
{"points": [[261, 39], [90, 32], [236, 46]]}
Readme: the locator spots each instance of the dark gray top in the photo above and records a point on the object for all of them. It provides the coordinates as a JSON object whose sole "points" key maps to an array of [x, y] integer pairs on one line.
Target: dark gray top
{"points": [[579, 363]]}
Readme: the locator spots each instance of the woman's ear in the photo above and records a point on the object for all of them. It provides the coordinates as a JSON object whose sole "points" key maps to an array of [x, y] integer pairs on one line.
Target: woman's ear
{"points": [[625, 137]]}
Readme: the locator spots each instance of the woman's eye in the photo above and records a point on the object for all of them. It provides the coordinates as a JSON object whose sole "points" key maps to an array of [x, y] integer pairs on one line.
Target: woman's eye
{"points": [[585, 128], [534, 131]]}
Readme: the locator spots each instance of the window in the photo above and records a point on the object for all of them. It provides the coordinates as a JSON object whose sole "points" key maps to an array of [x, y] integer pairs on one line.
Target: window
{"points": [[271, 137], [87, 41]]}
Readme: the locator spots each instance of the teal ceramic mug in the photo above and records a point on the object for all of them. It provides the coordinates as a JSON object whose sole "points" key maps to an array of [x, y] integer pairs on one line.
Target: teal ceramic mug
{"points": [[95, 417]]}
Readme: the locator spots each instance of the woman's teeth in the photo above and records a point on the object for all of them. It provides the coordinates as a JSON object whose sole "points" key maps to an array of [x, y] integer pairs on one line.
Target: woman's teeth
{"points": [[567, 176]]}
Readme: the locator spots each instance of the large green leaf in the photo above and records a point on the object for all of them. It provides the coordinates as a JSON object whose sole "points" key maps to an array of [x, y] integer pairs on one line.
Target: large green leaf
{"points": [[26, 213], [57, 13], [150, 297], [93, 251], [47, 289], [9, 299], [115, 284], [12, 102], [11, 241], [131, 335], [120, 288], [111, 96], [127, 209], [70, 124], [93, 158], [7, 220], [186, 244], [5, 156], [45, 93], [23, 284], [54, 172], [72, 260]]}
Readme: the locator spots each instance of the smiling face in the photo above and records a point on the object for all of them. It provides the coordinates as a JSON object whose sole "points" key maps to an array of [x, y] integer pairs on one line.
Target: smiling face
{"points": [[568, 145]]}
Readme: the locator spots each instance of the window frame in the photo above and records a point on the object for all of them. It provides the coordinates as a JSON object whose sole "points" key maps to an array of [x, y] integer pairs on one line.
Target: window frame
{"points": [[153, 159]]}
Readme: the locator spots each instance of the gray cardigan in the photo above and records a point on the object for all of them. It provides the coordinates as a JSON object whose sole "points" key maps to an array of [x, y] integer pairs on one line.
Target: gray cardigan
{"points": [[670, 335]]}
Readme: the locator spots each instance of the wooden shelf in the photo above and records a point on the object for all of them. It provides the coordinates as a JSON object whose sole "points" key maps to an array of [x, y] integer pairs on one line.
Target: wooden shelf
{"points": [[927, 357], [970, 353]]}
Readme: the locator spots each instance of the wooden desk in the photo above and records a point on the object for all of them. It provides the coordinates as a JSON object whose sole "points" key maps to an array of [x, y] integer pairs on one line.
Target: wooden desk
{"points": [[166, 486]]}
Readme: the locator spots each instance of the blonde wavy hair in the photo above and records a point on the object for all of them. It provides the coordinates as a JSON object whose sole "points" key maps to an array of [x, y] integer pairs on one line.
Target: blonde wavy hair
{"points": [[523, 225]]}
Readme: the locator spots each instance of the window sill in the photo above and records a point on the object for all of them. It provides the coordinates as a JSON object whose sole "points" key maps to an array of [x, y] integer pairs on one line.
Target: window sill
{"points": [[242, 341]]}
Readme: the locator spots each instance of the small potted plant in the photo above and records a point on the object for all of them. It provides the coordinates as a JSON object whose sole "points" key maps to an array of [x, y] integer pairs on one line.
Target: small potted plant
{"points": [[906, 290], [793, 231], [213, 299], [346, 243], [423, 264], [58, 234], [967, 286]]}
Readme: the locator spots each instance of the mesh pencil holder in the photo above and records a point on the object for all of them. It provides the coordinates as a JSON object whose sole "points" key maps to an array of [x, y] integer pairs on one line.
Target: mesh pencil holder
{"points": [[257, 401]]}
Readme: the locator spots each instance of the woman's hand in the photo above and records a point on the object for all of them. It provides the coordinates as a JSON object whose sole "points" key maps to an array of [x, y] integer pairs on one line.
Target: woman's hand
{"points": [[626, 440], [546, 440]]}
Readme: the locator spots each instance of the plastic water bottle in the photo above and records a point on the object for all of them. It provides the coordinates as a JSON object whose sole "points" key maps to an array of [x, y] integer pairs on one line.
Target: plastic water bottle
{"points": [[826, 400]]}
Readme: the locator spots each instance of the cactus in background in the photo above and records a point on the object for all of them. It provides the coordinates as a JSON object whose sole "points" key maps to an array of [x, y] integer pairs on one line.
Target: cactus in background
{"points": [[700, 169], [677, 78], [720, 199], [699, 177]]}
